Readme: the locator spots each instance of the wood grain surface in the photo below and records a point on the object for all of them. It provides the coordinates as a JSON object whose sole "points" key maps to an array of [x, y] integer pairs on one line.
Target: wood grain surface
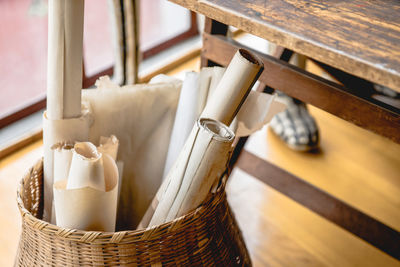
{"points": [[281, 232], [359, 37], [322, 203]]}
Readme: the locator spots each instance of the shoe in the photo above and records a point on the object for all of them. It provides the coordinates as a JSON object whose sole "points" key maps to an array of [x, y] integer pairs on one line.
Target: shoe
{"points": [[295, 126]]}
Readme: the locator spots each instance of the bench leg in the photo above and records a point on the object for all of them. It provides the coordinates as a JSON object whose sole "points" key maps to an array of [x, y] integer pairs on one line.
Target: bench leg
{"points": [[215, 28]]}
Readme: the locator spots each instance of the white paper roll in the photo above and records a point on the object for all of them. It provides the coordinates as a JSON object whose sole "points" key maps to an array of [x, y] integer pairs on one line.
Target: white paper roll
{"points": [[55, 131], [74, 13], [62, 159], [234, 86], [257, 111], [196, 185], [86, 168], [55, 59], [87, 208], [216, 74], [64, 66], [191, 103], [202, 161]]}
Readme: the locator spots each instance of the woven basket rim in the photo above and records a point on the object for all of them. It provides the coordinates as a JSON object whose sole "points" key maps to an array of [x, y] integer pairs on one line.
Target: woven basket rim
{"points": [[99, 237]]}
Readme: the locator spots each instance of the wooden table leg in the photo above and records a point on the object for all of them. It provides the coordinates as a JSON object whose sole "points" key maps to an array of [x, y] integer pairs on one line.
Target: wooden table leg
{"points": [[212, 27]]}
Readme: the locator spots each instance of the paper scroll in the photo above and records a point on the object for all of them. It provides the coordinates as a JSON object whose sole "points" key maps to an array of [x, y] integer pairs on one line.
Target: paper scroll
{"points": [[87, 169], [256, 111], [216, 74], [192, 100], [64, 84], [202, 161], [55, 59], [195, 93], [64, 70], [55, 131], [62, 153], [109, 145], [234, 86], [223, 91], [87, 199]]}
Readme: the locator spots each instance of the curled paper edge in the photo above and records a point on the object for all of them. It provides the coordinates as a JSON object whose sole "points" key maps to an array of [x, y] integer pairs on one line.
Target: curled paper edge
{"points": [[62, 152], [88, 208], [257, 111], [109, 145], [87, 167]]}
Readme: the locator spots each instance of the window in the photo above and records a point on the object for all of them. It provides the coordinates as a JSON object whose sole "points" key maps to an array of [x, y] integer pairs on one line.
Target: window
{"points": [[23, 46]]}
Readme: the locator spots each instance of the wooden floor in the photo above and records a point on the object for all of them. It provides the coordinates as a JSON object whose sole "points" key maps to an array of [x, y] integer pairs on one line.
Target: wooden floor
{"points": [[358, 167], [354, 165]]}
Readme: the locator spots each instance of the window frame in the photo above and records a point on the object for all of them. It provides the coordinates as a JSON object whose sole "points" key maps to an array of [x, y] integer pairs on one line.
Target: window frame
{"points": [[87, 81]]}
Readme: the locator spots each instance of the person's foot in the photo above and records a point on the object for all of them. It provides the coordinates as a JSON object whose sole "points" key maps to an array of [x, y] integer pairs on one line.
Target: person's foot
{"points": [[295, 126], [383, 90]]}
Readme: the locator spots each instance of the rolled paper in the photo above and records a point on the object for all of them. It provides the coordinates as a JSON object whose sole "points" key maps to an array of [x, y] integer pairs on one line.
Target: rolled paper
{"points": [[257, 111], [64, 84], [192, 100], [73, 23], [233, 88], [216, 74], [64, 70], [203, 88], [215, 153], [109, 145], [62, 159], [87, 208], [86, 168], [55, 131], [202, 161], [55, 59]]}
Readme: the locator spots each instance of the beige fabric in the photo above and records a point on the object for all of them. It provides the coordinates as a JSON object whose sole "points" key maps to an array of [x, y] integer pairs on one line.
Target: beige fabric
{"points": [[141, 117]]}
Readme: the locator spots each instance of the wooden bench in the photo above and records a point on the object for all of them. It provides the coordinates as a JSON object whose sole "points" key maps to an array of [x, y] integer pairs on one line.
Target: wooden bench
{"points": [[357, 42]]}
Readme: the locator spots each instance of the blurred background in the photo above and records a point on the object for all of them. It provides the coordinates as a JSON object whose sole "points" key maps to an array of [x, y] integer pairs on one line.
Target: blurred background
{"points": [[23, 46]]}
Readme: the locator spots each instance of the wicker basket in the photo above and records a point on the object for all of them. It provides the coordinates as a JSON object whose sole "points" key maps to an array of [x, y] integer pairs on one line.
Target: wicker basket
{"points": [[208, 236]]}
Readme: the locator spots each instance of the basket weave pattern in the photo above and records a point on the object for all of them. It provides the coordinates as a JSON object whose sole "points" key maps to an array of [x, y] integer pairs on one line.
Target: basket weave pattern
{"points": [[208, 236]]}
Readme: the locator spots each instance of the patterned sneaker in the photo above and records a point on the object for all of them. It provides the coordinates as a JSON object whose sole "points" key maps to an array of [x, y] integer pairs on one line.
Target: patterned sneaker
{"points": [[386, 91], [295, 126]]}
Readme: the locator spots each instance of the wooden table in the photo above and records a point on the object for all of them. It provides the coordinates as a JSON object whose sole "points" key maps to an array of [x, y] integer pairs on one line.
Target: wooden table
{"points": [[357, 42]]}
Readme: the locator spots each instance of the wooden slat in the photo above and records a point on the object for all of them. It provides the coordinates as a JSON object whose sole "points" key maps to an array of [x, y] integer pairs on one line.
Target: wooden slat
{"points": [[21, 142], [213, 27], [335, 210], [355, 84], [359, 37], [331, 97], [21, 112]]}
